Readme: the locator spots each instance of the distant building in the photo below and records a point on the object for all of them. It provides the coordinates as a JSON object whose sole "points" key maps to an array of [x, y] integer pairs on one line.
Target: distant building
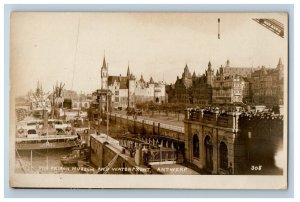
{"points": [[73, 100], [101, 102], [227, 89], [127, 91], [192, 89], [241, 71], [267, 85], [230, 85]]}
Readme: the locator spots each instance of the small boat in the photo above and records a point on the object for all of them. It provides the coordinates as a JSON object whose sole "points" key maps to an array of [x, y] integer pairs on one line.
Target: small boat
{"points": [[78, 154]]}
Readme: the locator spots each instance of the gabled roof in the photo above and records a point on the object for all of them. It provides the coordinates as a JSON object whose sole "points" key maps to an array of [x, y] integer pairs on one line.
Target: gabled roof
{"points": [[123, 80]]}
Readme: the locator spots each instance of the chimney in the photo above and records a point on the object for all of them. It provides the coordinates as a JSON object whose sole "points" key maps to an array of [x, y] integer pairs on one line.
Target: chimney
{"points": [[45, 116]]}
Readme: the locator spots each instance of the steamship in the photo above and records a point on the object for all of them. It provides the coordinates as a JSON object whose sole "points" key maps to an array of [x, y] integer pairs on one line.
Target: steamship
{"points": [[45, 134]]}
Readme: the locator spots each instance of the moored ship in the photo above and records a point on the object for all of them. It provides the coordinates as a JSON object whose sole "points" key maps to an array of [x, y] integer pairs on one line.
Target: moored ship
{"points": [[48, 134]]}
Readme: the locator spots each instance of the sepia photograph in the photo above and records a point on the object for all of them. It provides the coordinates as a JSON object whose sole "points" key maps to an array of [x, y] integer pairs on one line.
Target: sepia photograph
{"points": [[184, 100]]}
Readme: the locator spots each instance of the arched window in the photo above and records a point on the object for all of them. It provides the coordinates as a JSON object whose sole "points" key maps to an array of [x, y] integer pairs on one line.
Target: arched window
{"points": [[208, 148], [223, 156], [196, 153]]}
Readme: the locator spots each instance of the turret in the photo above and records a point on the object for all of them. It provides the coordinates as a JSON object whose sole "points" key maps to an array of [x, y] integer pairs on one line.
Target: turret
{"points": [[131, 89], [227, 63], [128, 70], [209, 74], [280, 68], [209, 66], [151, 80], [142, 79], [194, 75], [104, 75]]}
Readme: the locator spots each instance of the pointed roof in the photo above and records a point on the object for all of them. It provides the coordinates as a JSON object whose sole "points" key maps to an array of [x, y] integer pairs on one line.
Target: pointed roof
{"points": [[128, 70], [104, 63], [209, 66], [280, 62], [186, 72], [194, 74], [142, 79], [227, 63], [151, 80], [186, 67]]}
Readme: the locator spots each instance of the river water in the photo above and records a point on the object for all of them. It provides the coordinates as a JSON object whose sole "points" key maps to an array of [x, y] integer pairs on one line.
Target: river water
{"points": [[43, 161]]}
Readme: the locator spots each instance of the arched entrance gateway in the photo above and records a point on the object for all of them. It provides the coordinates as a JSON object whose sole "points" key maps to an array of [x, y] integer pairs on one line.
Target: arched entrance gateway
{"points": [[208, 150], [196, 146], [223, 156]]}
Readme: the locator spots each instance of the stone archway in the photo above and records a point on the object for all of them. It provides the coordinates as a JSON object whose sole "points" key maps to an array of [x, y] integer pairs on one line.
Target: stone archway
{"points": [[208, 150], [223, 156], [196, 153]]}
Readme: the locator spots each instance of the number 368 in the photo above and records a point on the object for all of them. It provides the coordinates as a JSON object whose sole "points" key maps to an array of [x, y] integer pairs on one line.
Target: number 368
{"points": [[256, 167]]}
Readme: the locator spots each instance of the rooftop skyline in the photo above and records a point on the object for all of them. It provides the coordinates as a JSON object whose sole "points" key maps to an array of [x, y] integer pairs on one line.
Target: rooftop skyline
{"points": [[69, 47]]}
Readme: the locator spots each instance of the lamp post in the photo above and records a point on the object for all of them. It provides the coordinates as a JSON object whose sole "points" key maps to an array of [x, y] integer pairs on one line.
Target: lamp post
{"points": [[107, 113], [100, 110]]}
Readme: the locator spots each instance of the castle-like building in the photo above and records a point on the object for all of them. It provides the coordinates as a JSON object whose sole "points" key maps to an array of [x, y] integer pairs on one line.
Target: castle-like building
{"points": [[127, 91]]}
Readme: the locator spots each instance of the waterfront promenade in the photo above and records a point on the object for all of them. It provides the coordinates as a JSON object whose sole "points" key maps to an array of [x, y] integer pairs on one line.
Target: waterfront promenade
{"points": [[161, 118]]}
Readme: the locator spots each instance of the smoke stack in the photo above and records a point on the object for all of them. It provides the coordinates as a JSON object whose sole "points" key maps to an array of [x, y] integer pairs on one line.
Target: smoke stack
{"points": [[45, 115]]}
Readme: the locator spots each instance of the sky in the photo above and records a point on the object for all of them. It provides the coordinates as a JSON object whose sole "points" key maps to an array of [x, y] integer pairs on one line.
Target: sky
{"points": [[69, 47]]}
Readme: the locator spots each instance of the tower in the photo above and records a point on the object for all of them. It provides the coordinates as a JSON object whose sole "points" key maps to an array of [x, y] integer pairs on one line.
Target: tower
{"points": [[209, 74], [227, 63], [128, 71], [104, 75], [280, 69], [131, 89], [187, 77], [151, 86]]}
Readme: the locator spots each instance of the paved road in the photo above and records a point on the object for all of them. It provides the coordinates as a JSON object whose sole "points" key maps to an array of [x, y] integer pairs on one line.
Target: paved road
{"points": [[163, 119]]}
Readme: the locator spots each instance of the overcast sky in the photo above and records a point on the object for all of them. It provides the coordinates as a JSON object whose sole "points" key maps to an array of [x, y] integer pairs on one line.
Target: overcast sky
{"points": [[43, 46]]}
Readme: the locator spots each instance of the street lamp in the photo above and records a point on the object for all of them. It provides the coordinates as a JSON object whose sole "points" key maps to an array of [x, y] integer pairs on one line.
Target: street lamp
{"points": [[107, 94]]}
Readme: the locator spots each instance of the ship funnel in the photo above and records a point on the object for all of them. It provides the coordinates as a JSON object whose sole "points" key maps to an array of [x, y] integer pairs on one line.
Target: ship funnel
{"points": [[45, 116]]}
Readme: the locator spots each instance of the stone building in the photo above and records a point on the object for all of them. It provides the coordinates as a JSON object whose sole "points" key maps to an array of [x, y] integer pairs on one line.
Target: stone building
{"points": [[229, 85], [227, 143], [192, 89], [247, 93], [241, 71], [202, 91], [73, 100], [227, 89], [267, 85], [101, 102], [127, 91]]}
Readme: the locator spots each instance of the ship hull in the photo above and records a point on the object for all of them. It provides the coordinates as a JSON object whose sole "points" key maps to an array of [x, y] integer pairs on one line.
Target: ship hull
{"points": [[40, 145]]}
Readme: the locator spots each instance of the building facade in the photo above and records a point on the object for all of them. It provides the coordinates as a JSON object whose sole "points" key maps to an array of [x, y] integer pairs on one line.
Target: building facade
{"points": [[267, 85], [127, 91], [229, 85], [77, 101], [227, 89], [227, 143], [241, 71], [192, 89]]}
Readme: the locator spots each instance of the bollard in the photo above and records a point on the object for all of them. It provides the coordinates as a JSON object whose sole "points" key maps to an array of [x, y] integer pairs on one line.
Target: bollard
{"points": [[158, 128]]}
